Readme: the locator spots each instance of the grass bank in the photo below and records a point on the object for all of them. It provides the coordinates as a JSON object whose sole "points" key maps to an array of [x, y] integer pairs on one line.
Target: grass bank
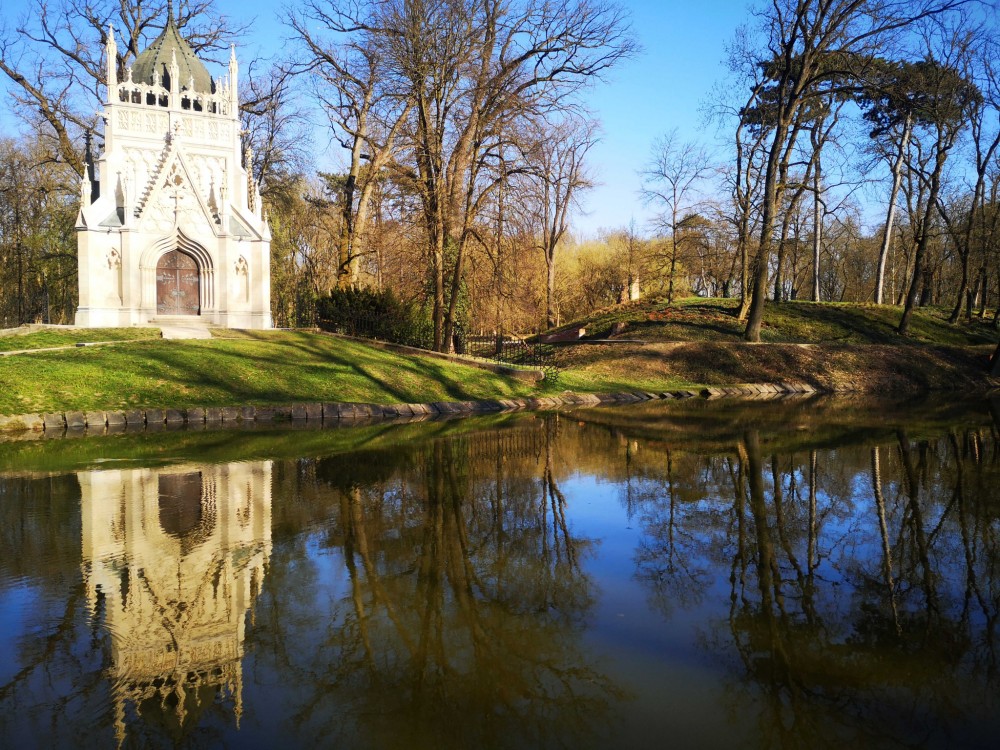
{"points": [[826, 367], [835, 347], [655, 347], [272, 367]]}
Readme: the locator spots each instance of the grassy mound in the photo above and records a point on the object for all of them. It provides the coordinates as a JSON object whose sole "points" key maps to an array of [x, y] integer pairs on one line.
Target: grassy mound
{"points": [[830, 346], [714, 320], [827, 367]]}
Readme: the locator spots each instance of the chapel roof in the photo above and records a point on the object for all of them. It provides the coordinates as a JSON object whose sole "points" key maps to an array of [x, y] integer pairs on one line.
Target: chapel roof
{"points": [[159, 54]]}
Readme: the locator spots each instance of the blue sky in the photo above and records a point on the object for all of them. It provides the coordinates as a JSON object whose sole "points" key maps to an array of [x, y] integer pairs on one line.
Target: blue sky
{"points": [[661, 89]]}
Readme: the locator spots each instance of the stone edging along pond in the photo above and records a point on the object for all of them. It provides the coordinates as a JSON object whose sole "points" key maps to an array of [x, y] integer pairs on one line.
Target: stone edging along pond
{"points": [[94, 422]]}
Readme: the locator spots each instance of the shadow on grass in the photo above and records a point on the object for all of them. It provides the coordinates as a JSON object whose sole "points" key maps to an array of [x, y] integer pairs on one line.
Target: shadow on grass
{"points": [[301, 369], [857, 326]]}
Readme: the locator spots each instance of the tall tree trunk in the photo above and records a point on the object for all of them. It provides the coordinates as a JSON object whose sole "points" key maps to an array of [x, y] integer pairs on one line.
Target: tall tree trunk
{"points": [[779, 281], [983, 291], [550, 289], [769, 207], [817, 228], [673, 249], [963, 286], [919, 272], [437, 269], [745, 280], [890, 218]]}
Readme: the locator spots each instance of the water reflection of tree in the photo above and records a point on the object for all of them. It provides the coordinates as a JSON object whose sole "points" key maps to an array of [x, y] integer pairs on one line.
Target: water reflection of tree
{"points": [[40, 533], [863, 582], [673, 558], [460, 621]]}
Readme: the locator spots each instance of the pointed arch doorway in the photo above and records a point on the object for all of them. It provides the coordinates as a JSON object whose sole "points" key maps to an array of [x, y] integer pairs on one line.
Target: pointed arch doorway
{"points": [[178, 284]]}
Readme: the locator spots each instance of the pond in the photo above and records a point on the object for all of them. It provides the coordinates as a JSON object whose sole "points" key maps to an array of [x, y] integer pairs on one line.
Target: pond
{"points": [[811, 573]]}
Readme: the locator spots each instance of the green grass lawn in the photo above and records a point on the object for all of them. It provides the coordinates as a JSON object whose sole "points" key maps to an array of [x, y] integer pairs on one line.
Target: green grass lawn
{"points": [[699, 319], [272, 367], [67, 336], [608, 374]]}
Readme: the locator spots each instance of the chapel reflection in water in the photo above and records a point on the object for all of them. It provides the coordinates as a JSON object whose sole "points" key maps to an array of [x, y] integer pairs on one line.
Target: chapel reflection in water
{"points": [[173, 560]]}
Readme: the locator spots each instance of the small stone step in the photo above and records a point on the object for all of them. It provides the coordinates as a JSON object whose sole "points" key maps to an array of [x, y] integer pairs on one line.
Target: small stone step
{"points": [[183, 330]]}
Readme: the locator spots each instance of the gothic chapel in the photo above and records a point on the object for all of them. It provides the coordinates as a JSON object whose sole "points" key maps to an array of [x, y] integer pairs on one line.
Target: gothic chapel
{"points": [[171, 227]]}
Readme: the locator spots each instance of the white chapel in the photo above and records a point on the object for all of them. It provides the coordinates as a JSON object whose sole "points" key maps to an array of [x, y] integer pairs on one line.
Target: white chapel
{"points": [[171, 226]]}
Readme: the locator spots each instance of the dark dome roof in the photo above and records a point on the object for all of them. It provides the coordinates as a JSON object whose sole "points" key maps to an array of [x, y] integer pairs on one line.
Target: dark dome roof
{"points": [[157, 57]]}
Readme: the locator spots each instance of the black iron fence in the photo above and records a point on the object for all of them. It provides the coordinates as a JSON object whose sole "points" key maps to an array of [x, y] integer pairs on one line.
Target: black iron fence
{"points": [[509, 350], [500, 348]]}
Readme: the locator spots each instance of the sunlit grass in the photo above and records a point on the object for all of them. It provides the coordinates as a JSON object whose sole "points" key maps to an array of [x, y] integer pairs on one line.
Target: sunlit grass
{"points": [[277, 367], [284, 367], [52, 337]]}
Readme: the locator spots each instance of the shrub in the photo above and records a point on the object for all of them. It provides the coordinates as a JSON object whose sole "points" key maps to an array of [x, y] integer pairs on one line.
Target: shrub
{"points": [[368, 313]]}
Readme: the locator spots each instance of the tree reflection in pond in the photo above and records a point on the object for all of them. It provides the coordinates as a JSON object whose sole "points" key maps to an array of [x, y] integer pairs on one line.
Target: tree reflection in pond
{"points": [[863, 598], [765, 576], [461, 619]]}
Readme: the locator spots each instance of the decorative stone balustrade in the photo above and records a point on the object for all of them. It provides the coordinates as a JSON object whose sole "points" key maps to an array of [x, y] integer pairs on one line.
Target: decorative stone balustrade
{"points": [[156, 95]]}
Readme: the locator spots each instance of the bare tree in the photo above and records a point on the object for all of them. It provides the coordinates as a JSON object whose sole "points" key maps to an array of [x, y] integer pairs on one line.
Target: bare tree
{"points": [[984, 126], [891, 105], [37, 239], [275, 134], [671, 180], [365, 108], [745, 179], [822, 133], [472, 73], [949, 100], [556, 178]]}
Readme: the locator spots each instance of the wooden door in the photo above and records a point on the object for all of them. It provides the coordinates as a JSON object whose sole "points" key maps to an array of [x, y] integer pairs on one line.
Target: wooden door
{"points": [[178, 286]]}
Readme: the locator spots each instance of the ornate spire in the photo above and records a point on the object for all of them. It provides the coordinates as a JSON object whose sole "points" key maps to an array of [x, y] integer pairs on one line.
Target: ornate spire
{"points": [[234, 86], [85, 187], [175, 85], [111, 50], [170, 13]]}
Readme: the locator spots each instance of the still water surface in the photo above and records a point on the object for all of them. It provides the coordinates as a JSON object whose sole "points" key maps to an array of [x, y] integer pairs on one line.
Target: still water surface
{"points": [[811, 575]]}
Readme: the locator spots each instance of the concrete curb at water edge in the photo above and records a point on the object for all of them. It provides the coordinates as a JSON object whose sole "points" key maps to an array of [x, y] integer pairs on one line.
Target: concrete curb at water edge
{"points": [[99, 422]]}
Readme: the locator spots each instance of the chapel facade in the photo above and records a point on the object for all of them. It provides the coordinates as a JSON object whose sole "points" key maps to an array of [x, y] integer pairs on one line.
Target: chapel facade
{"points": [[171, 227]]}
